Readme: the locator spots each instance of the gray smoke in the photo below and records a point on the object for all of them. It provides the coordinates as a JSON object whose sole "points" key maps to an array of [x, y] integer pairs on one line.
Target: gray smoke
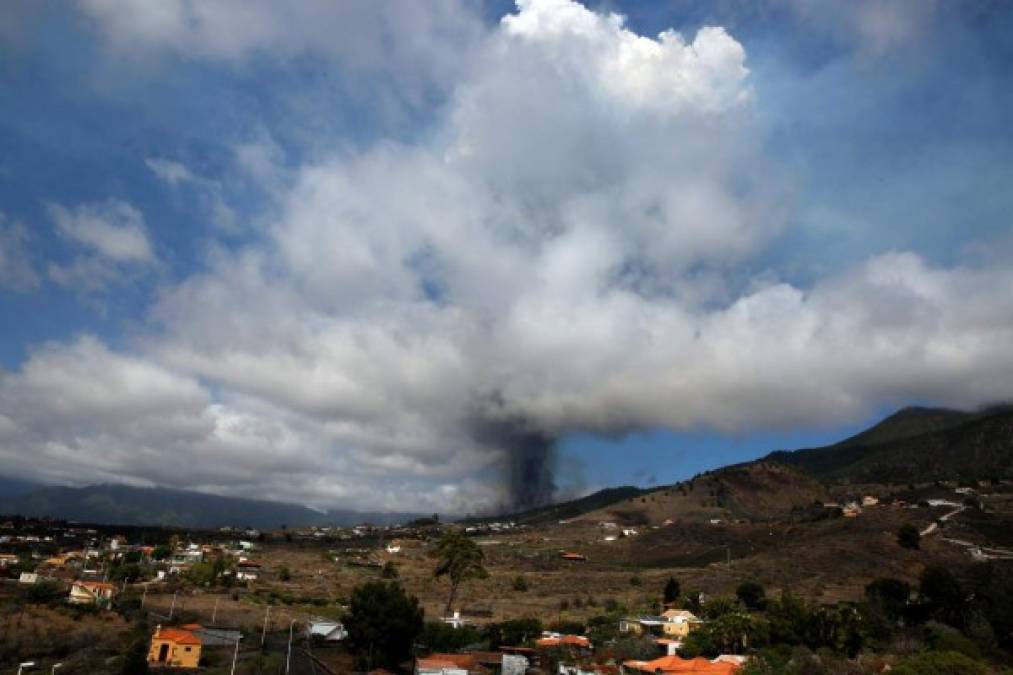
{"points": [[530, 460]]}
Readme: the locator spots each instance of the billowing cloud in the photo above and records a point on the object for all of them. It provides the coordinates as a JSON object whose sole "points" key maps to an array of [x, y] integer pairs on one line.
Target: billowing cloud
{"points": [[570, 249]]}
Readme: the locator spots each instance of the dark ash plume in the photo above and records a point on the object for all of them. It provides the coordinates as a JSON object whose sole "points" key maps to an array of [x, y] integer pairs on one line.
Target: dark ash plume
{"points": [[530, 459]]}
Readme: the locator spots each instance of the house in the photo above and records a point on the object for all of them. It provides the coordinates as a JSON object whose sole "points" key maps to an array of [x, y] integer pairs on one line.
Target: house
{"points": [[91, 593], [869, 500], [675, 623], [574, 557], [679, 622], [675, 664], [174, 648], [588, 669], [214, 637], [669, 646], [247, 571], [556, 640], [8, 559], [473, 663], [328, 630], [446, 664], [28, 578]]}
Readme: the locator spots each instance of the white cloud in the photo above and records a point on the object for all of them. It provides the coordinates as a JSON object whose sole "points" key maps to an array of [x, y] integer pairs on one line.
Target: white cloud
{"points": [[420, 45], [17, 271], [113, 230], [111, 238], [170, 171], [564, 252]]}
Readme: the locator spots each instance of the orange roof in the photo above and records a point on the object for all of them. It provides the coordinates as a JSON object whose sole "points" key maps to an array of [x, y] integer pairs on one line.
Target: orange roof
{"points": [[192, 626], [438, 660], [675, 664], [94, 584], [573, 640], [177, 635]]}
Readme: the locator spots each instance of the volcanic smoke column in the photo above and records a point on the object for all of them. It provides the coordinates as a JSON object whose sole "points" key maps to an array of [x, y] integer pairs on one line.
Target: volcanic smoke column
{"points": [[530, 456]]}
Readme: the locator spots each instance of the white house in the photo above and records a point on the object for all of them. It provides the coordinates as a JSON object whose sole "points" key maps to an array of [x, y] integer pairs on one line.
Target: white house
{"points": [[91, 593], [329, 630]]}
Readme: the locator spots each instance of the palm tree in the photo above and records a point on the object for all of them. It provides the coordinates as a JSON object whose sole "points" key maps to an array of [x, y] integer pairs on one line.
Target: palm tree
{"points": [[458, 558]]}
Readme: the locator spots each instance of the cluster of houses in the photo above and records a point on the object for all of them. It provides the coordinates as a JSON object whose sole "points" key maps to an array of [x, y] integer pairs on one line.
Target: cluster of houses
{"points": [[575, 655]]}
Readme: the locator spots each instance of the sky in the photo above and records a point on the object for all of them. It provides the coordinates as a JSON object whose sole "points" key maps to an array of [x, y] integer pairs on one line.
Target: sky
{"points": [[459, 255]]}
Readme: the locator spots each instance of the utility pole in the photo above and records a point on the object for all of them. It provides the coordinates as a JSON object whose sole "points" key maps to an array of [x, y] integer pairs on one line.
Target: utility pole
{"points": [[263, 633], [144, 595], [214, 614], [288, 655], [172, 607], [235, 655]]}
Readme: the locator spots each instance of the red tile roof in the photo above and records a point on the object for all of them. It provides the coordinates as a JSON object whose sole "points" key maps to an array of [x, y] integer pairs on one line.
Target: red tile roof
{"points": [[177, 635], [570, 640], [675, 664]]}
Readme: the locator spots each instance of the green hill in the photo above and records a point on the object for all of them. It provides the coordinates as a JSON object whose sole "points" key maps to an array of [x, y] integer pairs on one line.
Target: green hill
{"points": [[913, 445]]}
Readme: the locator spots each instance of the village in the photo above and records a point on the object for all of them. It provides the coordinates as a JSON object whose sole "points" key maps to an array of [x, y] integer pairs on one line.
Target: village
{"points": [[578, 596], [172, 583]]}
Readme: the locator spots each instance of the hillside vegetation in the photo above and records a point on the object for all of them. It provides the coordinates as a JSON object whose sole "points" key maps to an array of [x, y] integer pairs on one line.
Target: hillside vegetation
{"points": [[916, 445]]}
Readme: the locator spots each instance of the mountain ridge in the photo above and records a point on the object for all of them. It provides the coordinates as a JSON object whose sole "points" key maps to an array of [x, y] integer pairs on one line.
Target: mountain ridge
{"points": [[127, 505]]}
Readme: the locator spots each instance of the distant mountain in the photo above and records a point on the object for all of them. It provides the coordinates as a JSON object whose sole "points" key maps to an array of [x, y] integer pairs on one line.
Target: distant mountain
{"points": [[12, 487], [124, 505], [915, 444]]}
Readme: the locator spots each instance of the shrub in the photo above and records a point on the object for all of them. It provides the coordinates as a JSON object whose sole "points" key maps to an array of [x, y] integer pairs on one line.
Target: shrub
{"points": [[520, 583], [751, 595], [908, 536], [940, 663]]}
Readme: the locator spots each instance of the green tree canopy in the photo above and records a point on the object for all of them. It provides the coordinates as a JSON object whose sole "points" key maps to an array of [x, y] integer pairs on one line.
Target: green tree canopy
{"points": [[382, 624]]}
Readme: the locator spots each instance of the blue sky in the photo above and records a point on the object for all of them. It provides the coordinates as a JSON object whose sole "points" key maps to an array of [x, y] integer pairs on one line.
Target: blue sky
{"points": [[321, 245]]}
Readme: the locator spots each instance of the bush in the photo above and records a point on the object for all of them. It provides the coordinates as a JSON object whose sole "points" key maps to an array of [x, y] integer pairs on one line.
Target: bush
{"points": [[513, 633], [389, 571], [751, 595], [635, 580], [940, 663], [284, 574], [520, 583], [908, 536], [438, 636], [46, 592]]}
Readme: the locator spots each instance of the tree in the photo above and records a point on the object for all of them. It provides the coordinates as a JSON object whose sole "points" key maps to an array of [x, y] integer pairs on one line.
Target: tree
{"points": [[135, 661], [672, 590], [389, 571], [458, 559], [513, 632], [751, 595], [889, 595], [520, 583], [943, 594], [284, 573], [908, 536], [382, 624]]}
